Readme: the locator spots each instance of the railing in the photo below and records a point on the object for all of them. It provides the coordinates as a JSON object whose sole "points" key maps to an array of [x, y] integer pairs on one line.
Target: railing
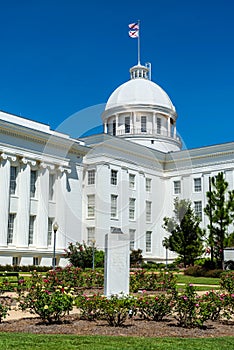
{"points": [[151, 132]]}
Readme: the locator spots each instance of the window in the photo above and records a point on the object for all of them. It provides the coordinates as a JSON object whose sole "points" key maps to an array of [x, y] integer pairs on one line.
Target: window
{"points": [[177, 187], [15, 260], [35, 261], [131, 181], [10, 232], [113, 206], [132, 208], [114, 177], [148, 242], [50, 231], [143, 124], [148, 211], [51, 186], [159, 125], [198, 209], [91, 205], [148, 185], [90, 235], [197, 185], [13, 175], [127, 125], [33, 180], [114, 128], [91, 177], [31, 229], [132, 239]]}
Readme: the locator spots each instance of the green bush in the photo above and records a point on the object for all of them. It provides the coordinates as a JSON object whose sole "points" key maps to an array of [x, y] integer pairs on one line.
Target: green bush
{"points": [[198, 271], [227, 281], [161, 281], [154, 308]]}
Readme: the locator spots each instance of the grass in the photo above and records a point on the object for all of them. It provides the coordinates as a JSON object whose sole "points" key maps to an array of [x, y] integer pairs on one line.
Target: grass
{"points": [[22, 341], [197, 280]]}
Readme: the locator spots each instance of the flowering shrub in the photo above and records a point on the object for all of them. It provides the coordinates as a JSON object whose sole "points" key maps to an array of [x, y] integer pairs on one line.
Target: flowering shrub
{"points": [[189, 309], [154, 307], [161, 281], [227, 281], [5, 306], [89, 306], [216, 305], [42, 298], [115, 310]]}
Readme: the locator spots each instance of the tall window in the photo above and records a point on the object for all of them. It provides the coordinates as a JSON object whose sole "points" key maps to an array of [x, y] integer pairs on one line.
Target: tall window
{"points": [[143, 124], [35, 261], [114, 206], [91, 205], [50, 231], [148, 241], [114, 128], [51, 186], [114, 174], [91, 177], [148, 184], [159, 125], [132, 208], [15, 260], [177, 187], [198, 209], [132, 238], [132, 181], [197, 184], [33, 179], [31, 229], [90, 235], [148, 211], [127, 125], [13, 176], [10, 232]]}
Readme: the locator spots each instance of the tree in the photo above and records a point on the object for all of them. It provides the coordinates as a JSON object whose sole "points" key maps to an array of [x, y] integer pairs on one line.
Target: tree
{"points": [[81, 255], [136, 257], [185, 234], [219, 208]]}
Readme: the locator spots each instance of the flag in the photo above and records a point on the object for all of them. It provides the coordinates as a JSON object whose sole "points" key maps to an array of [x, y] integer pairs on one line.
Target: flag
{"points": [[133, 33], [134, 26]]}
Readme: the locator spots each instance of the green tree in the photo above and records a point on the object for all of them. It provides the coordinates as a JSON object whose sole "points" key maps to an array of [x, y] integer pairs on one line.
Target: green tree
{"points": [[219, 209], [136, 257], [81, 255], [185, 234]]}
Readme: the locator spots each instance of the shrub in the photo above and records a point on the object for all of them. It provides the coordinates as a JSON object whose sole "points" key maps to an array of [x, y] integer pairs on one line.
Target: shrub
{"points": [[227, 281], [161, 281], [50, 305], [198, 271], [189, 310], [5, 306], [154, 307], [89, 306], [216, 304]]}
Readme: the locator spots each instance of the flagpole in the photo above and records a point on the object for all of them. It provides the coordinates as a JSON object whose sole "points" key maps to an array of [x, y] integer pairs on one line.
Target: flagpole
{"points": [[139, 61]]}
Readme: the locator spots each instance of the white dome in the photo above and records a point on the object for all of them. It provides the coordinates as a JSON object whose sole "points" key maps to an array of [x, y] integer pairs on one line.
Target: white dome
{"points": [[139, 91]]}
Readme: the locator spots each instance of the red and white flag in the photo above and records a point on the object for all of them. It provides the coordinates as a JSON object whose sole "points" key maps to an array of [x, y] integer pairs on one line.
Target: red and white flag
{"points": [[134, 26], [133, 33]]}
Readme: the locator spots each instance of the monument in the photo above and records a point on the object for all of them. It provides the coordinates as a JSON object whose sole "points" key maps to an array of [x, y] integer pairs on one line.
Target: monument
{"points": [[117, 261]]}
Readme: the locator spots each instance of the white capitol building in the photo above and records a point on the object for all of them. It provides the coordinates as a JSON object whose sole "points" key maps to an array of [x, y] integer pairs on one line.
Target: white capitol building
{"points": [[123, 179]]}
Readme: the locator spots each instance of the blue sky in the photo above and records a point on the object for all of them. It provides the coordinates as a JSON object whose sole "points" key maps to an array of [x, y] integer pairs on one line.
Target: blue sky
{"points": [[59, 57]]}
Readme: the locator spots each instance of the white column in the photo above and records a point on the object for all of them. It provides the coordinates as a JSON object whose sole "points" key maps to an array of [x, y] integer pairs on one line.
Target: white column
{"points": [[174, 131], [117, 124], [61, 202], [154, 131], [43, 201], [168, 127], [24, 206], [4, 199], [105, 127]]}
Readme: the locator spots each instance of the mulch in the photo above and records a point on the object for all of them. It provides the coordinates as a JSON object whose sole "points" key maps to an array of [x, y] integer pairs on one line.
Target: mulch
{"points": [[72, 324]]}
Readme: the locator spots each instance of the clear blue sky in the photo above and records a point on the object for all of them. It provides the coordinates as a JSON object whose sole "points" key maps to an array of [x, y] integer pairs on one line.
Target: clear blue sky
{"points": [[60, 56]]}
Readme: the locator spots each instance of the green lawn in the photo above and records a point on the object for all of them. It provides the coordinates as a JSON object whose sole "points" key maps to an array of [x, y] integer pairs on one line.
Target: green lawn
{"points": [[197, 280], [21, 341]]}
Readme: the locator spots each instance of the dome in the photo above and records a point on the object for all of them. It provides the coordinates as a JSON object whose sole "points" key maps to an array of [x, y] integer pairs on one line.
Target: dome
{"points": [[139, 91]]}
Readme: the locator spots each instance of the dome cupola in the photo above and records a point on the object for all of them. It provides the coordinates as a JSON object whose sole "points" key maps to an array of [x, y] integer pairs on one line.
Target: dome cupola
{"points": [[141, 111]]}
